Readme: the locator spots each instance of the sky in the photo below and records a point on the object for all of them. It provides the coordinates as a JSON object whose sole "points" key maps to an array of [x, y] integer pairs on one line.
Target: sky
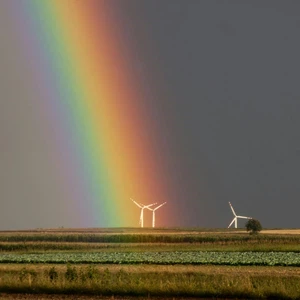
{"points": [[224, 76]]}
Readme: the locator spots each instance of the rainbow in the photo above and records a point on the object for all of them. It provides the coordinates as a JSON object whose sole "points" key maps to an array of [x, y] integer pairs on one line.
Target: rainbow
{"points": [[105, 145]]}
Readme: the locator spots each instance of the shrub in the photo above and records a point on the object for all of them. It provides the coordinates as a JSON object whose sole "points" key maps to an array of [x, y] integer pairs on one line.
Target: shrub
{"points": [[53, 275], [71, 273], [253, 226], [29, 275]]}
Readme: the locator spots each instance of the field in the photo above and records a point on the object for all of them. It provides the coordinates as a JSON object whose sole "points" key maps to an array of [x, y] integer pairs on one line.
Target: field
{"points": [[149, 263]]}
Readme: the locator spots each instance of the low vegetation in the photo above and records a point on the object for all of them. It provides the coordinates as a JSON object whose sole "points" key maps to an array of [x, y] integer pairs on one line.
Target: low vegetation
{"points": [[253, 226], [160, 258], [148, 238], [154, 282], [151, 263]]}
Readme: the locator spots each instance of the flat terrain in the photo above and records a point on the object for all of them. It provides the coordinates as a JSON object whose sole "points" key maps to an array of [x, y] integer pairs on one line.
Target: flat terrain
{"points": [[205, 269], [86, 297], [113, 231], [162, 263], [281, 231]]}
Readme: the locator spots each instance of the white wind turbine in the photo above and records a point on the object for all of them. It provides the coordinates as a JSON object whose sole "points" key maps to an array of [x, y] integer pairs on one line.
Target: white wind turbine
{"points": [[153, 213], [236, 217], [142, 207]]}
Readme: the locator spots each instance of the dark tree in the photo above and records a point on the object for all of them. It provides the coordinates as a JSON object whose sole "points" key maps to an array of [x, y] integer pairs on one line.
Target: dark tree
{"points": [[253, 226]]}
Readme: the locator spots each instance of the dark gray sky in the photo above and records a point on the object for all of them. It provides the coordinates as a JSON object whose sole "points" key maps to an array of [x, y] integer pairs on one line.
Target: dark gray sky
{"points": [[228, 101], [229, 71]]}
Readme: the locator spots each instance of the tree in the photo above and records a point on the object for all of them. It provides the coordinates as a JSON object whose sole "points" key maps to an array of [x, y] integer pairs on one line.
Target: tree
{"points": [[253, 226]]}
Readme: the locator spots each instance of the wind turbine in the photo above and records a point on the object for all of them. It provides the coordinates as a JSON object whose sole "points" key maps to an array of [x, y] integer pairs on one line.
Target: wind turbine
{"points": [[236, 217], [142, 207], [153, 213]]}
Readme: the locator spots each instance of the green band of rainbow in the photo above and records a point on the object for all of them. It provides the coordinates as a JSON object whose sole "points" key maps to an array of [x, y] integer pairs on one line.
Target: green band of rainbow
{"points": [[105, 148]]}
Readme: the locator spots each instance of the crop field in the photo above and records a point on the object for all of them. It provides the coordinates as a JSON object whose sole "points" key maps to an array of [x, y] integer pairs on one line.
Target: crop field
{"points": [[163, 263], [160, 258]]}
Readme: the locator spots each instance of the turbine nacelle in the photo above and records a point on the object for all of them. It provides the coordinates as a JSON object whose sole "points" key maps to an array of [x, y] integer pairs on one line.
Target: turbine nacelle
{"points": [[153, 212], [142, 207], [236, 217]]}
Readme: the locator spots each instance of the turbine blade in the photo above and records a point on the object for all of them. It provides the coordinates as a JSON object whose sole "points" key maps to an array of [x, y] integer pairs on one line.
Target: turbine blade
{"points": [[136, 203], [242, 217], [231, 222], [146, 206], [159, 206], [149, 208], [232, 209]]}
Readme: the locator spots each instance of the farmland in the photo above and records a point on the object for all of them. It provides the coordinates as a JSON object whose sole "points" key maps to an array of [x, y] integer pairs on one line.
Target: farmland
{"points": [[160, 258], [153, 263]]}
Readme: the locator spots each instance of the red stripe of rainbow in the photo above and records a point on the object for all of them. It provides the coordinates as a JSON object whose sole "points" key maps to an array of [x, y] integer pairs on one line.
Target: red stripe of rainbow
{"points": [[104, 136]]}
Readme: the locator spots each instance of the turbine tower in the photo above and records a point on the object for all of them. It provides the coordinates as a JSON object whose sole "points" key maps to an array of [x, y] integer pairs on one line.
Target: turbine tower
{"points": [[236, 217], [142, 207], [153, 213]]}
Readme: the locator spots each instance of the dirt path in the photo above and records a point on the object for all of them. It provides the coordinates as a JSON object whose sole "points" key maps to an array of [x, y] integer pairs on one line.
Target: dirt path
{"points": [[281, 231]]}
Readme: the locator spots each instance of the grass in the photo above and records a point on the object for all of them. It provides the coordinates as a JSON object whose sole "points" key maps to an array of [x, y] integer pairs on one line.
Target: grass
{"points": [[258, 282], [187, 237], [36, 247], [153, 281]]}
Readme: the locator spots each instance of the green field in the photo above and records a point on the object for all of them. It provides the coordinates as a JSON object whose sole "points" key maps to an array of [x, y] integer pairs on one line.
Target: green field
{"points": [[151, 263]]}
